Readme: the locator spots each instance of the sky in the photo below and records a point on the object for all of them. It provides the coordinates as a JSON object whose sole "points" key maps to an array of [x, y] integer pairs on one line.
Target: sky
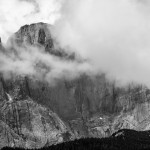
{"points": [[112, 35], [16, 13]]}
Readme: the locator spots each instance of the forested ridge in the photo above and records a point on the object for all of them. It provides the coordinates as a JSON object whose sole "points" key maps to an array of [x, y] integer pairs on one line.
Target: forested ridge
{"points": [[122, 140]]}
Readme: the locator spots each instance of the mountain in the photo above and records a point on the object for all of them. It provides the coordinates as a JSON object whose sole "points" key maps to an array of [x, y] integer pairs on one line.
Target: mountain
{"points": [[39, 35], [87, 106]]}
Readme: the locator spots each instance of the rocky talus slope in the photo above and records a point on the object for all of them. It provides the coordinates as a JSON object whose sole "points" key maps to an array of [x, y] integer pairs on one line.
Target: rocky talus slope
{"points": [[88, 106]]}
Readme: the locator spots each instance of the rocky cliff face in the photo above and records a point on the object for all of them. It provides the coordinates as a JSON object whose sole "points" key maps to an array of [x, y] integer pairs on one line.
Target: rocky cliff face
{"points": [[38, 35], [88, 106], [24, 123]]}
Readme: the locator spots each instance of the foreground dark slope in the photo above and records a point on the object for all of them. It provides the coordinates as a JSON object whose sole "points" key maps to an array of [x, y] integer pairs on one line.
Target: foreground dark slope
{"points": [[88, 106], [121, 140]]}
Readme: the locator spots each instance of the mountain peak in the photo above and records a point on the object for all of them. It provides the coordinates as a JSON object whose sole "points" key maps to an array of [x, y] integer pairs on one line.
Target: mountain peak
{"points": [[37, 33]]}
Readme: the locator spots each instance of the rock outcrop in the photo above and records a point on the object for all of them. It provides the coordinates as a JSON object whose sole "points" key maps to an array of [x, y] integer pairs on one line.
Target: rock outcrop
{"points": [[88, 106], [39, 35], [24, 123]]}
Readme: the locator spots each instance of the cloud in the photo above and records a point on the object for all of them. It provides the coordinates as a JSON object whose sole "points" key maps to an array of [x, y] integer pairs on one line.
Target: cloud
{"points": [[16, 13], [34, 62], [113, 35], [30, 60]]}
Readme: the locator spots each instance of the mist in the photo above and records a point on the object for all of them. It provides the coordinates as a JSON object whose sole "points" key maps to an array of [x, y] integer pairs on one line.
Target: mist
{"points": [[28, 60], [112, 35], [34, 62]]}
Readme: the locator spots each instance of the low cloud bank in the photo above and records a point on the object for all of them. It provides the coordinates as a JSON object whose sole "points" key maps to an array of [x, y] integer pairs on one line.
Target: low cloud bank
{"points": [[112, 35]]}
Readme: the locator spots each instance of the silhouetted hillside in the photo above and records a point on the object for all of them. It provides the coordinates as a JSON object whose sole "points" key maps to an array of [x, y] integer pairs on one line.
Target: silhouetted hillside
{"points": [[122, 140]]}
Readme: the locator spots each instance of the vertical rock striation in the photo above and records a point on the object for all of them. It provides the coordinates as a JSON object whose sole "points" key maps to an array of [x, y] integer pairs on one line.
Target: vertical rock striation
{"points": [[88, 106]]}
